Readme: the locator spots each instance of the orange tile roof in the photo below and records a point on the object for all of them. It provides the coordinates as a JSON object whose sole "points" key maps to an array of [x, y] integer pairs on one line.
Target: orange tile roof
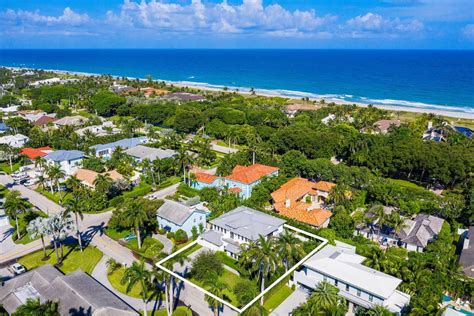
{"points": [[324, 186], [150, 90], [315, 217], [205, 177], [88, 176], [251, 173], [293, 190], [33, 153]]}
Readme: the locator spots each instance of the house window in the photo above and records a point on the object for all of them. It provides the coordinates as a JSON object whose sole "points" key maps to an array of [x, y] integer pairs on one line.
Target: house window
{"points": [[371, 298], [347, 287], [358, 292], [336, 282]]}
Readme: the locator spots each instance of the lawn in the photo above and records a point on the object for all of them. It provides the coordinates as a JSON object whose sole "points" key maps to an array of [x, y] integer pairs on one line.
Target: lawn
{"points": [[151, 247], [73, 259], [226, 144], [179, 311], [405, 183], [115, 279], [58, 197], [5, 167], [277, 297], [168, 182], [23, 220], [229, 279], [191, 250]]}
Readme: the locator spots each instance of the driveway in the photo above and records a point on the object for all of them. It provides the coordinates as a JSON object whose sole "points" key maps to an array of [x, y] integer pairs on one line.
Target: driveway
{"points": [[294, 300], [167, 244], [38, 200]]}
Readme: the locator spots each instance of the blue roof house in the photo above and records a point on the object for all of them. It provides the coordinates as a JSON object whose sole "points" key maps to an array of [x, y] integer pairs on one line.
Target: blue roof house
{"points": [[68, 160], [3, 127], [105, 150]]}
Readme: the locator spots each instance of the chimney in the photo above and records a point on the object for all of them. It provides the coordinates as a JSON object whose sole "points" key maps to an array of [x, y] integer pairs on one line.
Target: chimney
{"points": [[430, 125], [287, 203]]}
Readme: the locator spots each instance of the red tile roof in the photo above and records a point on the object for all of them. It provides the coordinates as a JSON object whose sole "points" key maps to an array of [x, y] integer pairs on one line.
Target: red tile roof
{"points": [[33, 153], [324, 186], [205, 177], [251, 173]]}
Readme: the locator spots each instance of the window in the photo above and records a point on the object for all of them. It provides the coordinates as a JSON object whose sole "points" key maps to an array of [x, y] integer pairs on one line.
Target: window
{"points": [[358, 292], [336, 282], [325, 278], [347, 287], [371, 298]]}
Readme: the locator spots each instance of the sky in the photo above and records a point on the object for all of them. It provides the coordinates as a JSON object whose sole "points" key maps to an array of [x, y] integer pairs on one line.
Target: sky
{"points": [[379, 24]]}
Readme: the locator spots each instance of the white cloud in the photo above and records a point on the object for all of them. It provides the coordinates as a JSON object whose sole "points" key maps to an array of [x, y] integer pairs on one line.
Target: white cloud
{"points": [[375, 24], [468, 31], [69, 17]]}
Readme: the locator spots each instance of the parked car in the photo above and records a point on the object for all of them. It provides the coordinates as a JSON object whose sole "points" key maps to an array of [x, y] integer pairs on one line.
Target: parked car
{"points": [[31, 182], [17, 269], [129, 237]]}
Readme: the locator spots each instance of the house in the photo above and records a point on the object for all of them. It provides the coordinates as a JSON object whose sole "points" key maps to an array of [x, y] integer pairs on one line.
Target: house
{"points": [[467, 255], [4, 128], [51, 81], [173, 215], [241, 181], [107, 128], [237, 227], [382, 126], [148, 91], [77, 293], [140, 153], [416, 234], [303, 200], [328, 119], [185, 96], [44, 120], [121, 88], [68, 160], [33, 153], [10, 109], [75, 120], [292, 109], [359, 285], [31, 115], [105, 150], [87, 177], [16, 141]]}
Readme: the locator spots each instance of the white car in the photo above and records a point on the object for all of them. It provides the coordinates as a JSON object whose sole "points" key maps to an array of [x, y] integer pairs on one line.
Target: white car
{"points": [[17, 268]]}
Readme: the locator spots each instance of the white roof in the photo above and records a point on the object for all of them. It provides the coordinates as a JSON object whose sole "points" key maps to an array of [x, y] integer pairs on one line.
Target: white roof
{"points": [[14, 140], [344, 265]]}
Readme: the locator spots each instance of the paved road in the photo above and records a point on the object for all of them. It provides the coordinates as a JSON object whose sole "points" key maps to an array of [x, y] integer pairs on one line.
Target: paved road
{"points": [[223, 149], [161, 194], [287, 306], [38, 200], [167, 244]]}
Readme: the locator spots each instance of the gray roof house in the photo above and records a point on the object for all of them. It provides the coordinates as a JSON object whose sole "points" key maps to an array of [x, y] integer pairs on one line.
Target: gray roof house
{"points": [[467, 255], [173, 215], [77, 293], [106, 150], [420, 231], [360, 285], [141, 153], [240, 226], [63, 155]]}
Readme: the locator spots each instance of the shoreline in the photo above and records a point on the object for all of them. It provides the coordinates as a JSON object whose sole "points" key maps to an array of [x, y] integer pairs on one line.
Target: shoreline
{"points": [[390, 105]]}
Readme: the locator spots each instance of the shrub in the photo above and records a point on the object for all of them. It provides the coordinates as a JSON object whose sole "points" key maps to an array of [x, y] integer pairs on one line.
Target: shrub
{"points": [[161, 231], [170, 235], [180, 236], [245, 290], [205, 265]]}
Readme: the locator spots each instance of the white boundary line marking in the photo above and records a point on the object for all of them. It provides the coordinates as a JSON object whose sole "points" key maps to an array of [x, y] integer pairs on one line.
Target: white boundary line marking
{"points": [[235, 308]]}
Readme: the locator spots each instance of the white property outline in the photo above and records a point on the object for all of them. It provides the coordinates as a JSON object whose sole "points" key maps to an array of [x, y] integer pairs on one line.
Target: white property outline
{"points": [[235, 308]]}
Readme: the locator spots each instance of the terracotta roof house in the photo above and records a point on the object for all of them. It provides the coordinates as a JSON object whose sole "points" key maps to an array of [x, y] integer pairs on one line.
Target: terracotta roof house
{"points": [[241, 180], [33, 153], [299, 199], [87, 177], [149, 91], [292, 109]]}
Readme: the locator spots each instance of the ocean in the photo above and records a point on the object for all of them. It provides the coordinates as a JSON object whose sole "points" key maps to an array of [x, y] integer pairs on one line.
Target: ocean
{"points": [[422, 79]]}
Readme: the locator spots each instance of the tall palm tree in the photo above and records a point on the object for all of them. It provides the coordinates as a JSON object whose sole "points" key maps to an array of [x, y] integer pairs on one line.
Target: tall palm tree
{"points": [[73, 183], [260, 258], [136, 216], [215, 287], [10, 152], [14, 206], [148, 168], [55, 174], [289, 248], [325, 295], [103, 183], [138, 274], [38, 227], [59, 226], [33, 307], [379, 310], [183, 160], [76, 207]]}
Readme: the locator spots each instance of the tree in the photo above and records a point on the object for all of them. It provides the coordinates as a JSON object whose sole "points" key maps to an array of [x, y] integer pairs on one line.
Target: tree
{"points": [[136, 216], [323, 301], [10, 152], [59, 226], [14, 206], [245, 290], [215, 287], [289, 248], [39, 227], [138, 274], [379, 310], [206, 264], [33, 307], [75, 206], [260, 258], [183, 160], [103, 183], [55, 174]]}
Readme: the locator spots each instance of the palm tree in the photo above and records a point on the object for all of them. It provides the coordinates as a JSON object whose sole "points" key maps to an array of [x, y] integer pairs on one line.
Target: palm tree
{"points": [[38, 227], [136, 216], [148, 167], [137, 273], [289, 248], [260, 257], [325, 295], [379, 310], [215, 287], [10, 152], [14, 206], [59, 226], [55, 174], [183, 160], [33, 307], [73, 183], [76, 207], [41, 181], [103, 183]]}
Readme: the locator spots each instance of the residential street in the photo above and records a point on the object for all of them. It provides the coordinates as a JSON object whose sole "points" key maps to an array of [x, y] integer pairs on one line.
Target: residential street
{"points": [[161, 194]]}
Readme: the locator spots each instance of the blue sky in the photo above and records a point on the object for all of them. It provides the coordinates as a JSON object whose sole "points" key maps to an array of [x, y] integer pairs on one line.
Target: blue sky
{"points": [[420, 24]]}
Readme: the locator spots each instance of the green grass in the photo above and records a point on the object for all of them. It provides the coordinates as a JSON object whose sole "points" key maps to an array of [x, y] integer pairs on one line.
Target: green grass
{"points": [[115, 234], [73, 259], [5, 166], [191, 250], [277, 297], [229, 279], [231, 262], [179, 311], [58, 197], [151, 247], [226, 144], [405, 183], [168, 182], [115, 280]]}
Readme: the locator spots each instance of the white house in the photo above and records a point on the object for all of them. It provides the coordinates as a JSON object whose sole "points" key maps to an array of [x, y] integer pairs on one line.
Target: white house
{"points": [[359, 285], [239, 226], [174, 215], [68, 160], [17, 141], [105, 150], [140, 153]]}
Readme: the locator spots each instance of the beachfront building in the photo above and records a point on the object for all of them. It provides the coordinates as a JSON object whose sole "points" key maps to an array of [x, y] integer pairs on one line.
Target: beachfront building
{"points": [[140, 153], [382, 126], [77, 293], [173, 215], [241, 181], [237, 227], [105, 150], [304, 201], [359, 285], [16, 141], [87, 177], [68, 160], [415, 235], [292, 109]]}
